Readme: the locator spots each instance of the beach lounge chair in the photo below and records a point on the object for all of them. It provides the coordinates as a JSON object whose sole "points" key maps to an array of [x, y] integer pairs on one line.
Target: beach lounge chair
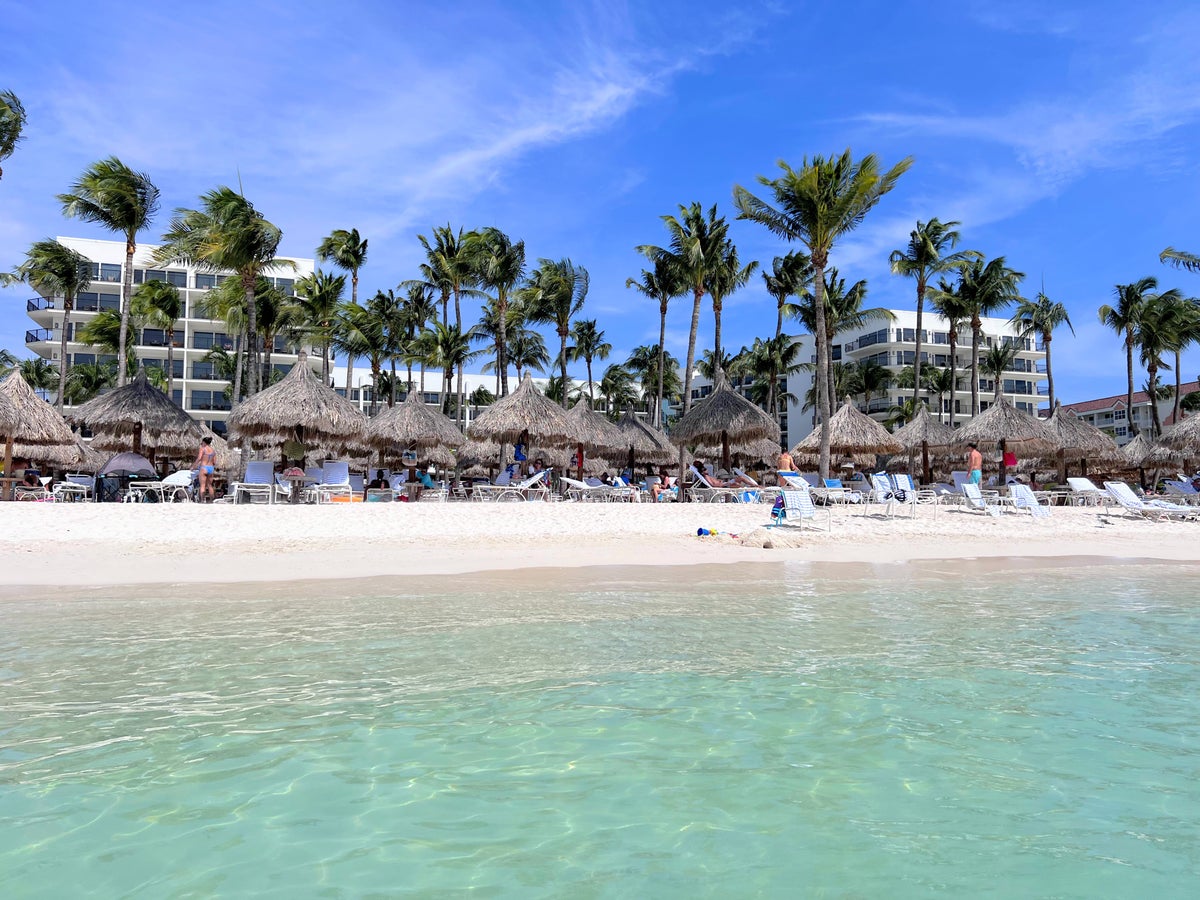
{"points": [[835, 492], [915, 496], [1084, 493], [178, 486], [796, 507], [335, 482], [258, 483], [1147, 509], [581, 491], [1183, 491], [532, 488], [881, 491], [761, 493], [702, 492], [1024, 498], [976, 502], [77, 487]]}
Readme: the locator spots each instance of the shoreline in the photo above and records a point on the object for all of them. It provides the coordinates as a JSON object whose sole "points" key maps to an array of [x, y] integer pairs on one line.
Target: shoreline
{"points": [[82, 545]]}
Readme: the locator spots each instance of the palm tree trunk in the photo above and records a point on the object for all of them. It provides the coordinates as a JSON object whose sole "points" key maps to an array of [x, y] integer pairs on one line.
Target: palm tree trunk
{"points": [[917, 355], [422, 381], [953, 369], [447, 386], [976, 333], [325, 362], [126, 294], [1129, 384], [1049, 370], [1152, 373], [392, 393], [459, 413], [350, 377], [717, 359], [502, 340], [1178, 385], [697, 296], [662, 337], [171, 363], [268, 348], [354, 286], [68, 304], [237, 370], [591, 392], [376, 369], [248, 283], [823, 354], [562, 364]]}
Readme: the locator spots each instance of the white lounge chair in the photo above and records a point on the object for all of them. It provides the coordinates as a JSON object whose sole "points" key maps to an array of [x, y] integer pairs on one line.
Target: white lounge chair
{"points": [[177, 487], [1183, 491], [797, 508], [915, 496], [532, 488], [573, 489], [1147, 509], [1024, 498], [834, 491], [882, 491], [976, 502], [703, 492], [1084, 493], [764, 494], [258, 483], [335, 481]]}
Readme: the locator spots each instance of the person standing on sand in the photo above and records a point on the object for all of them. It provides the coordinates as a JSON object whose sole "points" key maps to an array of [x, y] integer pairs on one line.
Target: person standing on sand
{"points": [[206, 464], [974, 465]]}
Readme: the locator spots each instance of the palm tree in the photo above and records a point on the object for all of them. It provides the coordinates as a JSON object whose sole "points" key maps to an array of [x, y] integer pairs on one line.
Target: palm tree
{"points": [[948, 303], [449, 267], [617, 389], [1180, 259], [817, 205], [870, 377], [940, 382], [1039, 317], [902, 413], [227, 233], [841, 381], [709, 364], [104, 331], [55, 271], [589, 344], [650, 364], [87, 380], [997, 361], [117, 198], [526, 350], [930, 252], [390, 311], [40, 374], [788, 278], [661, 284], [347, 250], [417, 310], [562, 390], [447, 347], [12, 123], [556, 292], [365, 330], [985, 287], [159, 305], [694, 253], [316, 303], [498, 264], [1155, 336], [726, 277], [765, 361], [1185, 331], [8, 362], [1124, 318]]}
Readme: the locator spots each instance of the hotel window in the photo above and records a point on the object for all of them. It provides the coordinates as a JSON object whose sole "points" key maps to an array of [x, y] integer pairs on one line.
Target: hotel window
{"points": [[82, 359], [205, 282], [836, 352], [1122, 431], [202, 340], [287, 285], [203, 371], [153, 337], [177, 278], [1119, 414], [177, 397], [429, 398], [209, 400], [218, 427], [86, 301]]}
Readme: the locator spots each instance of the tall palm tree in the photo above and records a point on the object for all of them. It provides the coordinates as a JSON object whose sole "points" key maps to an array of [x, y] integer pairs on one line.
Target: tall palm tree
{"points": [[117, 198], [160, 305], [41, 374], [498, 264], [1185, 331], [650, 364], [767, 360], [1124, 318], [55, 271], [663, 285], [417, 310], [1040, 317], [818, 204], [941, 382], [710, 364], [366, 332], [589, 344], [1155, 336], [948, 303], [556, 293], [389, 310], [447, 347], [12, 123], [448, 267], [617, 389], [930, 252], [869, 378], [788, 278], [997, 361], [728, 276], [1180, 259], [693, 254], [347, 250], [986, 288], [316, 303], [104, 331], [8, 362], [228, 233], [526, 350]]}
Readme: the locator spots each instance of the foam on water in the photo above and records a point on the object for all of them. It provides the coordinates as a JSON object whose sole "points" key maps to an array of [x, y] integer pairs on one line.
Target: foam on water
{"points": [[721, 731]]}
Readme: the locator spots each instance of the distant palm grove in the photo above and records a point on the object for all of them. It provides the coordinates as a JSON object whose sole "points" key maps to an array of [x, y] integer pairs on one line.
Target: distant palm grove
{"points": [[478, 295]]}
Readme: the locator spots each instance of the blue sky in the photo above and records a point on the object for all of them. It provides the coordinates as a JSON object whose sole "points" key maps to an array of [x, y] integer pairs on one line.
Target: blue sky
{"points": [[1063, 138]]}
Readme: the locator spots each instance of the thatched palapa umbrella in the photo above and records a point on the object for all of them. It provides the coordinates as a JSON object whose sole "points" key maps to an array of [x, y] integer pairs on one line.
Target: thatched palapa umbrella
{"points": [[1183, 435], [136, 409], [32, 421], [413, 425], [644, 442], [723, 417], [526, 417], [592, 433], [1077, 439], [1004, 424], [924, 432], [850, 433], [299, 407]]}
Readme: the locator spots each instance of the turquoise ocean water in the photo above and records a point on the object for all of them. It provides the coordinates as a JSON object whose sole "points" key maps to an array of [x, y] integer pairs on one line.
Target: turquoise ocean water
{"points": [[775, 731]]}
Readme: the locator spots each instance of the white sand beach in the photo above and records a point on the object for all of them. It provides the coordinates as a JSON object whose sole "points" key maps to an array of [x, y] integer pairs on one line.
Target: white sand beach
{"points": [[104, 544]]}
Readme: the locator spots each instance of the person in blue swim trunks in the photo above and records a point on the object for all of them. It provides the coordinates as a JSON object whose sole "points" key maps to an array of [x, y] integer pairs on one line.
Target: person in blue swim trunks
{"points": [[206, 465], [974, 465]]}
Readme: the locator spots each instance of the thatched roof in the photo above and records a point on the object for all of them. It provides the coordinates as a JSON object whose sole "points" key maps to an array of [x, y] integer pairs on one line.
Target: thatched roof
{"points": [[648, 444], [121, 411], [478, 453], [173, 446], [9, 416], [1076, 437], [298, 404], [761, 450], [594, 431], [37, 421], [72, 456], [851, 432], [724, 415], [924, 429], [413, 423], [525, 412], [1135, 451], [1183, 435], [1004, 422]]}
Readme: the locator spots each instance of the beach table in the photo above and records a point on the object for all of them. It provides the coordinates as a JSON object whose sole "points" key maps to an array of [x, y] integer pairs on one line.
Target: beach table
{"points": [[296, 485]]}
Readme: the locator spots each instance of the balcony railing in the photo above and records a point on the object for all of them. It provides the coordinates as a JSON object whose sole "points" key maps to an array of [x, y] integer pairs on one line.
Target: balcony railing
{"points": [[39, 334], [39, 303]]}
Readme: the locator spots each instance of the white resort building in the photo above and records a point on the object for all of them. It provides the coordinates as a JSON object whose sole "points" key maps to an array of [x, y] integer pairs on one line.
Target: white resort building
{"points": [[197, 387], [891, 343]]}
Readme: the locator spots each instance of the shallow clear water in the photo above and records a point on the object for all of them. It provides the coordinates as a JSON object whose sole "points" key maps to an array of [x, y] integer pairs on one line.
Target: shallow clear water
{"points": [[716, 731]]}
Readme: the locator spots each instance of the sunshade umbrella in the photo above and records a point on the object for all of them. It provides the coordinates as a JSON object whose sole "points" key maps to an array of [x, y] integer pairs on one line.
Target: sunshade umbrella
{"points": [[135, 410], [414, 425], [1077, 439], [130, 465], [851, 432], [1183, 435], [644, 442], [592, 433], [923, 432], [1004, 424], [526, 416], [724, 417], [31, 421], [299, 407]]}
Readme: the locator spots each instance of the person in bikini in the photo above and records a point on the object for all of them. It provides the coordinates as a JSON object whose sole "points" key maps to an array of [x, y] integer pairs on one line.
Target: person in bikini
{"points": [[206, 465]]}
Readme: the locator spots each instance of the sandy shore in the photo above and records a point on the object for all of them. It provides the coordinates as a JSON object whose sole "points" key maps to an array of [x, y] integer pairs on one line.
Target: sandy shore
{"points": [[104, 544]]}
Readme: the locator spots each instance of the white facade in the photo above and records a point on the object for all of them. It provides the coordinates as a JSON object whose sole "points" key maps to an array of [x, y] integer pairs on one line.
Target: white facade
{"points": [[892, 344], [196, 388]]}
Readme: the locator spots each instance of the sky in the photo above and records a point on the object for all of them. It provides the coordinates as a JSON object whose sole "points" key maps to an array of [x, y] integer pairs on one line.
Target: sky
{"points": [[1064, 137]]}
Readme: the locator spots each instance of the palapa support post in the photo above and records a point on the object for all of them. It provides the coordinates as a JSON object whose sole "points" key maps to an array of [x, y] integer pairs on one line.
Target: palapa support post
{"points": [[725, 460], [1002, 480], [137, 437], [8, 451], [926, 472]]}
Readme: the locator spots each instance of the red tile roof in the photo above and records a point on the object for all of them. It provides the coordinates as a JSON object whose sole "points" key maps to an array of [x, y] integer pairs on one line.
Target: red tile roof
{"points": [[1118, 401]]}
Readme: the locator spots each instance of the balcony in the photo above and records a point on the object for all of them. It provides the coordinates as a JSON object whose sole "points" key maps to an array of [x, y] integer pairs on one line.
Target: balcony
{"points": [[37, 335], [1043, 390], [40, 303]]}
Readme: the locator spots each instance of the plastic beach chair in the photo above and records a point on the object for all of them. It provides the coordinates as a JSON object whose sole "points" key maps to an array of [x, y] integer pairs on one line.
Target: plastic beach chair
{"points": [[976, 502], [796, 507], [1023, 498], [1084, 492], [335, 481], [258, 484], [1147, 509]]}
